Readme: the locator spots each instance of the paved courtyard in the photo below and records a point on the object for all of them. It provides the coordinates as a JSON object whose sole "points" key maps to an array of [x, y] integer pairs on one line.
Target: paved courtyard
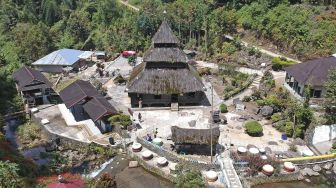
{"points": [[234, 133], [165, 119]]}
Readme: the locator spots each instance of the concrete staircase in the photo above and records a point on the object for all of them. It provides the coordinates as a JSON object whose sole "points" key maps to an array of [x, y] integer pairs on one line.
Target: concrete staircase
{"points": [[256, 82]]}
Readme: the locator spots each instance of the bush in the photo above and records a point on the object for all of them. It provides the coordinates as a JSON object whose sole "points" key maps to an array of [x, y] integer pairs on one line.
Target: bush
{"points": [[334, 145], [204, 71], [292, 147], [246, 99], [253, 128], [275, 118], [223, 108], [121, 119], [289, 128], [279, 63], [29, 132]]}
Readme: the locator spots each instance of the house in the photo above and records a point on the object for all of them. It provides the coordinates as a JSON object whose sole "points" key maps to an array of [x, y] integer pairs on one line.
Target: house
{"points": [[33, 86], [313, 73], [85, 102], [63, 59], [164, 78]]}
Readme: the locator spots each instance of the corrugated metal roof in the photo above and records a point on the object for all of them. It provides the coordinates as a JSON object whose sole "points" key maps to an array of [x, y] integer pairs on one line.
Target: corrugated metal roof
{"points": [[60, 57], [85, 55]]}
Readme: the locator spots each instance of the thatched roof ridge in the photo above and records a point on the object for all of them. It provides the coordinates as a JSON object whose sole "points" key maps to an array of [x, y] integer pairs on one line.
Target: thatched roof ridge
{"points": [[194, 136], [172, 55], [164, 81], [165, 35]]}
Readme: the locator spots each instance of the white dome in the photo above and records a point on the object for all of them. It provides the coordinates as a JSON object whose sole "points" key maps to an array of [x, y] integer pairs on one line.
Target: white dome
{"points": [[136, 146], [253, 150], [242, 149], [147, 154]]}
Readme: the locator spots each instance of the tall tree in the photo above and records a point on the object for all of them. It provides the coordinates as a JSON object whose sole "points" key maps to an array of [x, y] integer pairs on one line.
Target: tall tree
{"points": [[330, 104]]}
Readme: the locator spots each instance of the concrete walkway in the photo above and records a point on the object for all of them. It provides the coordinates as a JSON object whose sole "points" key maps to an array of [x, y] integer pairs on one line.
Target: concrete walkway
{"points": [[128, 5]]}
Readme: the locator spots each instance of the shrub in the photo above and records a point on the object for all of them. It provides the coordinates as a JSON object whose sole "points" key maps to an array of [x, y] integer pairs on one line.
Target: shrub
{"points": [[256, 95], [334, 145], [204, 71], [253, 128], [251, 51], [119, 80], [275, 118], [289, 128], [121, 120], [279, 63], [246, 99], [292, 147], [260, 102], [29, 132], [223, 108]]}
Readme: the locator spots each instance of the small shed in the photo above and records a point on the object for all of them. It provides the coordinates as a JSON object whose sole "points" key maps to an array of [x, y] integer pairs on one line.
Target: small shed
{"points": [[239, 105], [100, 55]]}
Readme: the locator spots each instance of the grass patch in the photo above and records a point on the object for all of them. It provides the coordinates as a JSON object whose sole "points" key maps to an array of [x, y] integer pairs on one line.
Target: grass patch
{"points": [[64, 83]]}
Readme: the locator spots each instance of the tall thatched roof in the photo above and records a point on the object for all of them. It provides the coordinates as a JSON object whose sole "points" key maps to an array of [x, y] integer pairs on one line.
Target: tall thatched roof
{"points": [[194, 136], [164, 70], [170, 55], [165, 35], [164, 81]]}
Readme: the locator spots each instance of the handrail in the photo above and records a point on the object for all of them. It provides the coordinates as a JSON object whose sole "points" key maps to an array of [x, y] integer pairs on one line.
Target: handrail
{"points": [[310, 158]]}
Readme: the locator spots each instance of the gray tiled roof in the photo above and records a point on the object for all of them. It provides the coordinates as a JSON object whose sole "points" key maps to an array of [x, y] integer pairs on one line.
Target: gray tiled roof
{"points": [[314, 72]]}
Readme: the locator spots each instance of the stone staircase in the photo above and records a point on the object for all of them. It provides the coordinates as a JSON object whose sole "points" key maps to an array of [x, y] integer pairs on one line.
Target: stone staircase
{"points": [[256, 82], [231, 177]]}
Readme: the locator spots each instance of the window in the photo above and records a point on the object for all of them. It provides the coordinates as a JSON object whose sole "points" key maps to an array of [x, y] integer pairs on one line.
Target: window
{"points": [[157, 96], [191, 94], [317, 93]]}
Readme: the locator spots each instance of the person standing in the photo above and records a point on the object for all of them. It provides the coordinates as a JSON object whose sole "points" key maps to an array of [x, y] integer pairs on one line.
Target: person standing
{"points": [[155, 132], [140, 103], [139, 117]]}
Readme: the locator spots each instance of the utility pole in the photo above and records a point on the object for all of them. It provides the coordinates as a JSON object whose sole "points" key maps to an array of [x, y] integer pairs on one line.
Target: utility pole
{"points": [[212, 112]]}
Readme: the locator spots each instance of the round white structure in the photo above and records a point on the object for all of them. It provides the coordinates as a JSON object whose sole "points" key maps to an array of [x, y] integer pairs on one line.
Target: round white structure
{"points": [[136, 147], [241, 150], [211, 176], [172, 167], [161, 161], [262, 151], [157, 141], [254, 151], [263, 157], [268, 169], [307, 153], [147, 155], [289, 167]]}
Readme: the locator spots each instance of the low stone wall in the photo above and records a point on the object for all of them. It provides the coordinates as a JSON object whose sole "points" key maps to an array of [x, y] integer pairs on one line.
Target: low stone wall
{"points": [[257, 180], [154, 170], [175, 157]]}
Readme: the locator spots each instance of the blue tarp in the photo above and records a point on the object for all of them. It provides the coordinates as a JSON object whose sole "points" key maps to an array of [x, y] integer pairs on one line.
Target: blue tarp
{"points": [[65, 57]]}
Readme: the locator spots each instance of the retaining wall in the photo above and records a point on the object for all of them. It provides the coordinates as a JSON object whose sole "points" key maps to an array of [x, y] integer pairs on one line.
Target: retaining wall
{"points": [[175, 157]]}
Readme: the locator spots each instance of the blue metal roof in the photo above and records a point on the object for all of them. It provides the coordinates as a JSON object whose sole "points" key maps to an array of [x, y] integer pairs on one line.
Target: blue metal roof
{"points": [[65, 57]]}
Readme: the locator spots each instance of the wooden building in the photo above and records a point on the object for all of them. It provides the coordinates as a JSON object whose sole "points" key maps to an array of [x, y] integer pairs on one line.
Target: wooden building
{"points": [[313, 73], [165, 78], [85, 102], [33, 86]]}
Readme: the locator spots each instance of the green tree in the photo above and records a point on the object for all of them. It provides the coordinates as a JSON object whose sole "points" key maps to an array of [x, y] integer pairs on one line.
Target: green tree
{"points": [[189, 177], [330, 104], [9, 175]]}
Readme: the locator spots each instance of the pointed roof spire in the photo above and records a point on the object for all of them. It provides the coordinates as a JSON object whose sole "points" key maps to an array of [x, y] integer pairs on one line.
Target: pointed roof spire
{"points": [[165, 35]]}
